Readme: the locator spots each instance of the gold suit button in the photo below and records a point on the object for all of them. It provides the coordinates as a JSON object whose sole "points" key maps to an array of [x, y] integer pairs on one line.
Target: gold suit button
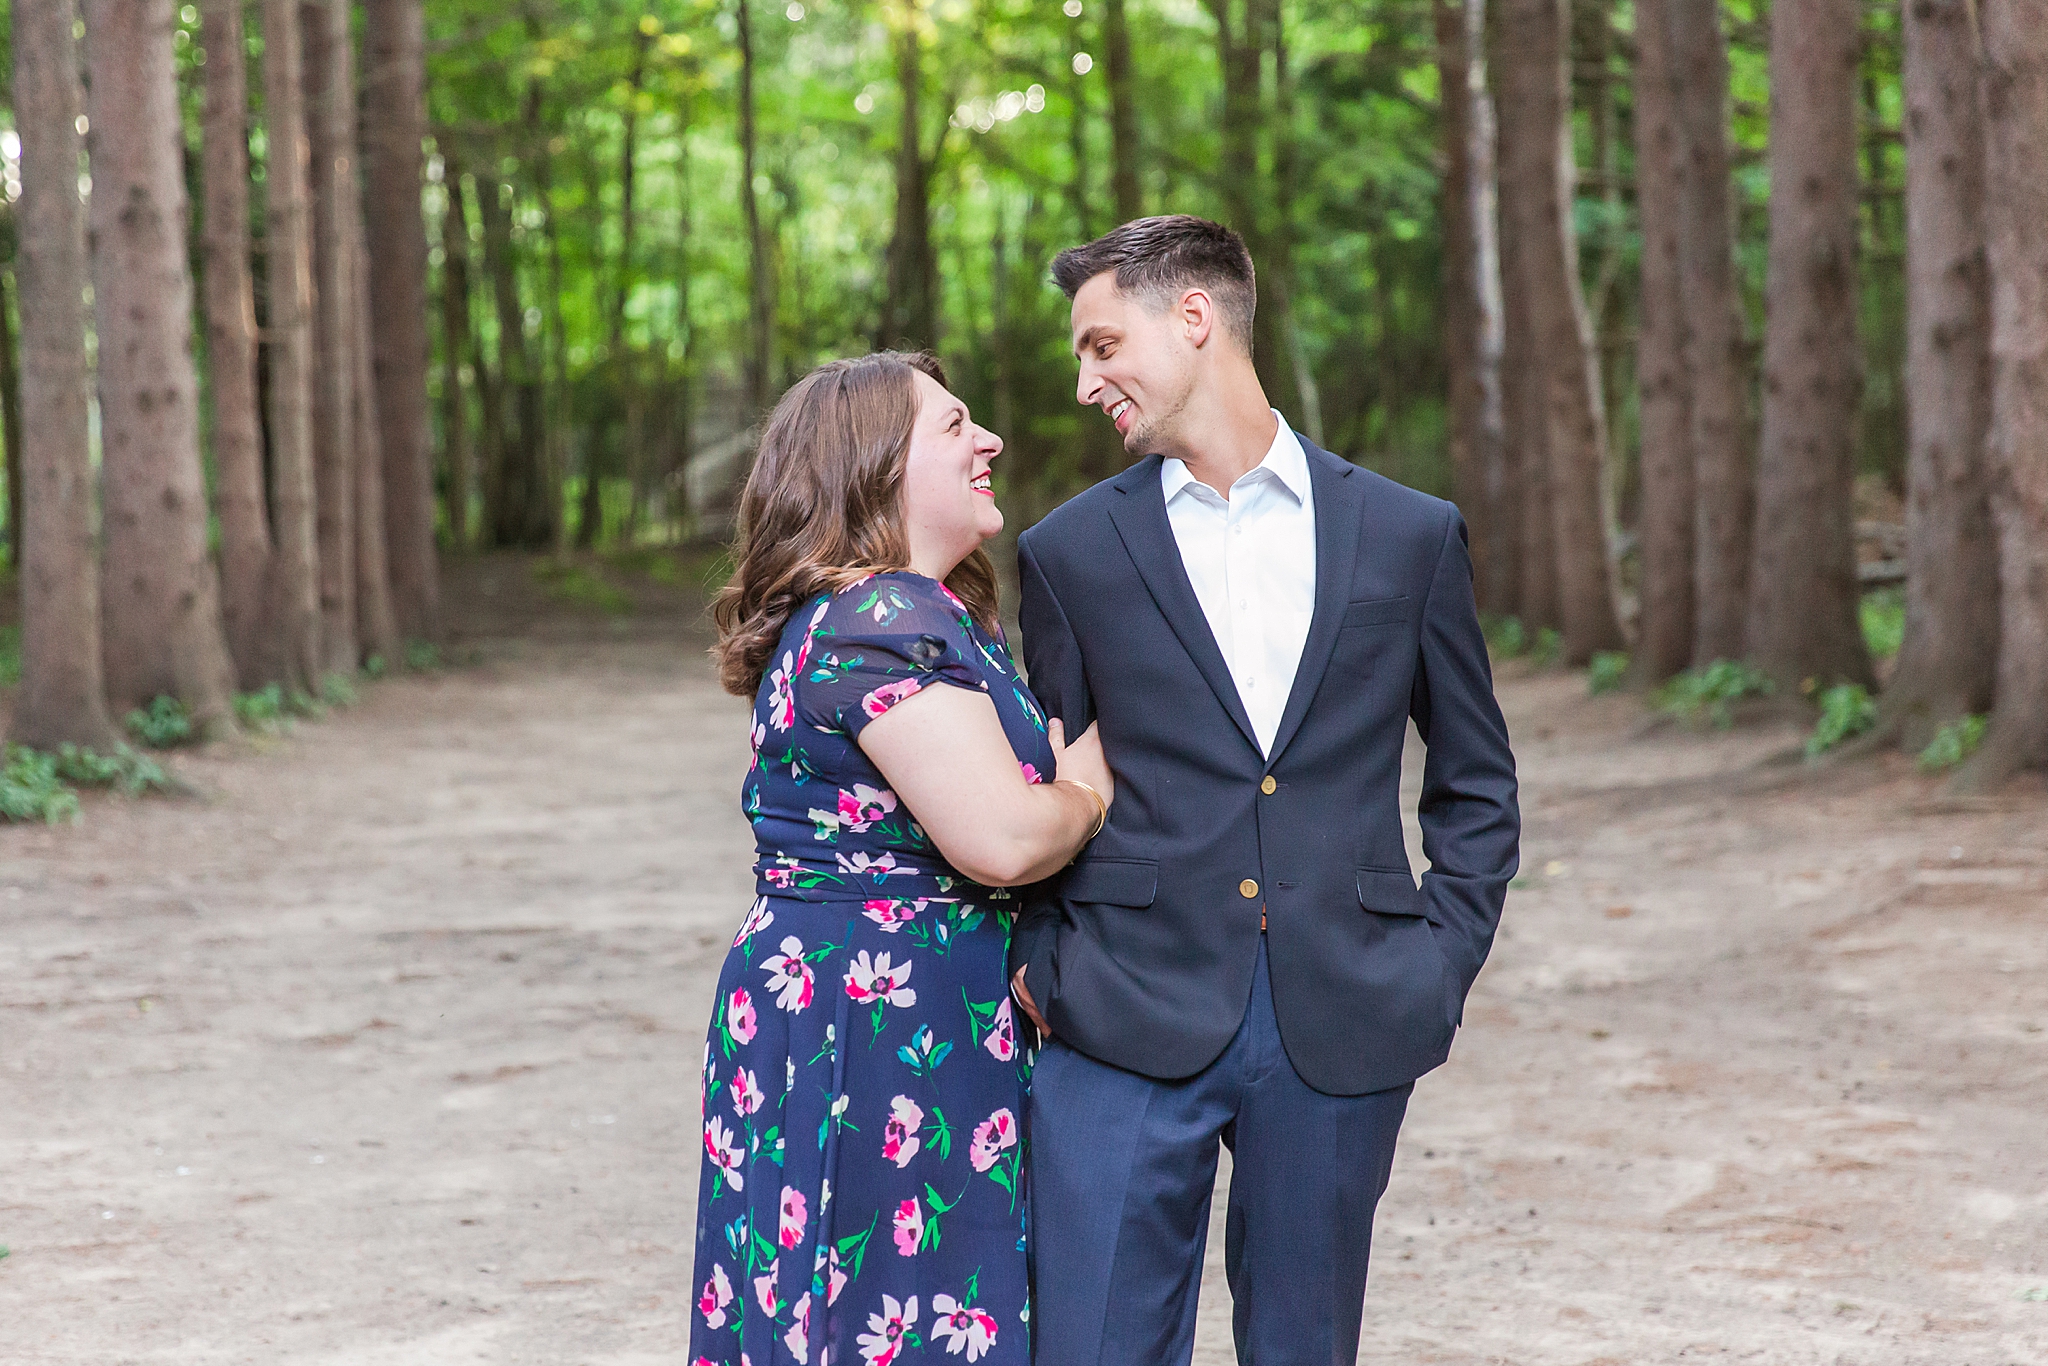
{"points": [[1269, 787], [1248, 889]]}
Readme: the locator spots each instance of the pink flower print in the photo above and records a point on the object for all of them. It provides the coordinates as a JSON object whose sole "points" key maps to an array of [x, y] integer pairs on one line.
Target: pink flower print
{"points": [[892, 915], [783, 874], [764, 1289], [883, 1341], [899, 1136], [888, 695], [1001, 1042], [796, 1217], [717, 1295], [759, 917], [963, 1327], [880, 980], [992, 1138], [757, 735], [909, 1227], [740, 1020], [789, 976], [798, 1338], [781, 694], [723, 1152], [746, 1092], [864, 806], [1031, 775], [835, 1279]]}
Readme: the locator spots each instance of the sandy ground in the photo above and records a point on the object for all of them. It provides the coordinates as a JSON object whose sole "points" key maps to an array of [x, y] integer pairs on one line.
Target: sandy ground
{"points": [[384, 1051]]}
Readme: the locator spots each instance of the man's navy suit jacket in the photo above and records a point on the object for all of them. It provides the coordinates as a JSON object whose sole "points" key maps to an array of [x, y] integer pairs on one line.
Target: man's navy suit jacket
{"points": [[1141, 953]]}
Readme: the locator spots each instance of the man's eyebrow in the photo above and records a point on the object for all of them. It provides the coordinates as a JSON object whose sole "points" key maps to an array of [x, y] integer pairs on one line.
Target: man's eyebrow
{"points": [[1081, 342]]}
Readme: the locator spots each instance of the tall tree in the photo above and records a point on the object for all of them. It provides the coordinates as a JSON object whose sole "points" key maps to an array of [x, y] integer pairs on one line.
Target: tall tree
{"points": [[292, 621], [1803, 621], [377, 630], [1947, 664], [455, 345], [394, 130], [1724, 487], [330, 128], [240, 500], [513, 492], [760, 262], [1471, 282], [1125, 154], [1537, 178], [161, 599], [1665, 629], [1280, 247], [2015, 42], [591, 524], [10, 393], [61, 697], [911, 316]]}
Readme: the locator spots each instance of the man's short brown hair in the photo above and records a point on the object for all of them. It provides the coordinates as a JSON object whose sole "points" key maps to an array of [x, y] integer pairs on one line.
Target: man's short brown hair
{"points": [[1157, 259]]}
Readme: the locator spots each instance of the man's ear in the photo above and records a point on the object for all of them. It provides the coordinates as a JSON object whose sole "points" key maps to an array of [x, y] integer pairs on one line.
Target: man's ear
{"points": [[1197, 317]]}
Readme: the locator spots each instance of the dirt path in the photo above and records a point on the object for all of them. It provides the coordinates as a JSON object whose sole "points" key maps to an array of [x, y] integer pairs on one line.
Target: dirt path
{"points": [[386, 1052]]}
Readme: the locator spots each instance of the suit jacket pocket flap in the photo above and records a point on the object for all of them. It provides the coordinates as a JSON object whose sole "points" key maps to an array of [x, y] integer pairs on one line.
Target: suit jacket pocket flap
{"points": [[1390, 892], [1119, 882], [1376, 612]]}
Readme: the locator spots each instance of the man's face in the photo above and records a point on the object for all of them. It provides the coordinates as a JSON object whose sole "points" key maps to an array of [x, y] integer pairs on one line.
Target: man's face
{"points": [[1137, 363]]}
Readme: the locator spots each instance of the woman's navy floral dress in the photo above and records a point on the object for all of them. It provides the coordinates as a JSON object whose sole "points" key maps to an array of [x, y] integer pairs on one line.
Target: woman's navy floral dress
{"points": [[862, 1196]]}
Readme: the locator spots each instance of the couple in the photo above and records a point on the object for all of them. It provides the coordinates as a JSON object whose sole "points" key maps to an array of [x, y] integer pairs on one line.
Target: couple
{"points": [[1177, 854]]}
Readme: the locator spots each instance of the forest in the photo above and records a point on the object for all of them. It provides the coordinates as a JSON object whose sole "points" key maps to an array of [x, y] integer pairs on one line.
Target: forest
{"points": [[1725, 326]]}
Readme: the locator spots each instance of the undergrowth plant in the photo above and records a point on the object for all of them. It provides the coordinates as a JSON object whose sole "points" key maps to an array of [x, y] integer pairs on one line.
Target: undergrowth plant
{"points": [[575, 582], [1712, 691], [1609, 670], [1953, 743], [1882, 615], [163, 723], [32, 790], [1846, 710], [10, 656]]}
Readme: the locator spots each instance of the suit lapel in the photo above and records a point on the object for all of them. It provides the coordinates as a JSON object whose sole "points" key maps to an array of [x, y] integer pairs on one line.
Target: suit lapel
{"points": [[1140, 519], [1339, 512]]}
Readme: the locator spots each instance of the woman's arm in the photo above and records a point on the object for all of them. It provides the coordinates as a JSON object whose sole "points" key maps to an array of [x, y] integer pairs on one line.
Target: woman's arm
{"points": [[945, 755]]}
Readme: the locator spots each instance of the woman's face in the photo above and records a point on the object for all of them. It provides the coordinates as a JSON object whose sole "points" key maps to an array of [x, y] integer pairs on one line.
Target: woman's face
{"points": [[948, 507]]}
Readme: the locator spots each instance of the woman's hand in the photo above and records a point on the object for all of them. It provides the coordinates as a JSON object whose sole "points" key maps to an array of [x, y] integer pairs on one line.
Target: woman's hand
{"points": [[1081, 761]]}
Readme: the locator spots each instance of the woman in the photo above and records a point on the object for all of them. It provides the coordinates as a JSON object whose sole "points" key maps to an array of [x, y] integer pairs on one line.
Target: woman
{"points": [[862, 1181]]}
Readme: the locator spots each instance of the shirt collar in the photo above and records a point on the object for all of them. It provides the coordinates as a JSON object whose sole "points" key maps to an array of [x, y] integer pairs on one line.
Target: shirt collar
{"points": [[1285, 460]]}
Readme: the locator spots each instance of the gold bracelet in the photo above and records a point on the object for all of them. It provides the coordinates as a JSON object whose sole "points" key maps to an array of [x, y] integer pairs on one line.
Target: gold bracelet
{"points": [[1101, 806]]}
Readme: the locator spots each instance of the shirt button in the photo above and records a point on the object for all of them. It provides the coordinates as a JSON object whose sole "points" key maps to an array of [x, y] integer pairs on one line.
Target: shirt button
{"points": [[1247, 889], [1269, 787]]}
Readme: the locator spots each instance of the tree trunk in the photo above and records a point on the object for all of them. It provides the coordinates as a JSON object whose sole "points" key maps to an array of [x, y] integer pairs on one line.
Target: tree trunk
{"points": [[1537, 178], [10, 401], [62, 695], [1124, 184], [1724, 488], [1946, 667], [760, 266], [1803, 586], [330, 129], [394, 127], [2015, 38], [161, 599], [682, 432], [292, 621], [1280, 250], [455, 346], [910, 319], [240, 500], [376, 620], [516, 480], [1664, 634], [1079, 201], [590, 527]]}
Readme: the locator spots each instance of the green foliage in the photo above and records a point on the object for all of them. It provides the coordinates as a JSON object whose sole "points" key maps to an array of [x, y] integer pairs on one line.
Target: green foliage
{"points": [[1953, 743], [337, 689], [10, 656], [262, 709], [421, 656], [1505, 638], [374, 667], [125, 771], [573, 581], [1608, 672], [1713, 690], [1846, 710], [163, 723], [1548, 646], [32, 790], [1883, 615]]}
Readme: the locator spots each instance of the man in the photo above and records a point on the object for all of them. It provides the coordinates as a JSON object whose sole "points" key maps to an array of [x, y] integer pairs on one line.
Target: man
{"points": [[1241, 955]]}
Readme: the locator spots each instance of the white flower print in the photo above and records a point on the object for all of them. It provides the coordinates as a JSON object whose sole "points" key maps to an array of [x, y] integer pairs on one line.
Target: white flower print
{"points": [[1001, 1042], [798, 1338], [881, 980], [723, 1152], [717, 1295], [963, 1327], [863, 806], [992, 1137], [795, 1217], [878, 868], [899, 1136], [745, 1092], [759, 918], [883, 1341], [789, 976], [764, 1289]]}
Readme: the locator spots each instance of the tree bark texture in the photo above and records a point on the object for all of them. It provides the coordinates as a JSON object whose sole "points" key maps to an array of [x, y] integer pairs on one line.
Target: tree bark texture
{"points": [[2015, 39], [10, 399], [514, 498], [1537, 179], [1664, 634], [1803, 592], [1947, 664], [455, 347], [292, 622], [760, 263], [910, 318], [62, 687], [1125, 185], [1723, 484], [239, 497], [377, 630], [160, 598], [330, 129], [394, 128], [590, 526]]}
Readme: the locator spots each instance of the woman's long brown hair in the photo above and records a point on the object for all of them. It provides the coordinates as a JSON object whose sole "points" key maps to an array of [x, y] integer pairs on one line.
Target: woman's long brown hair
{"points": [[823, 507]]}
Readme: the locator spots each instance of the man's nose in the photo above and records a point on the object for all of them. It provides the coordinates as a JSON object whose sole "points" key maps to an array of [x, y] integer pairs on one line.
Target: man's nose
{"points": [[1086, 388]]}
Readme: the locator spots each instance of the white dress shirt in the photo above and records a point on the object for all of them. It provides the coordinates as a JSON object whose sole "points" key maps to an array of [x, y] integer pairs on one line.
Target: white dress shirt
{"points": [[1252, 560]]}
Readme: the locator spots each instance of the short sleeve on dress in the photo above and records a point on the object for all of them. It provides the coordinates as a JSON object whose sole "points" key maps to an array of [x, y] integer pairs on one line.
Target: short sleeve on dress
{"points": [[885, 639]]}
